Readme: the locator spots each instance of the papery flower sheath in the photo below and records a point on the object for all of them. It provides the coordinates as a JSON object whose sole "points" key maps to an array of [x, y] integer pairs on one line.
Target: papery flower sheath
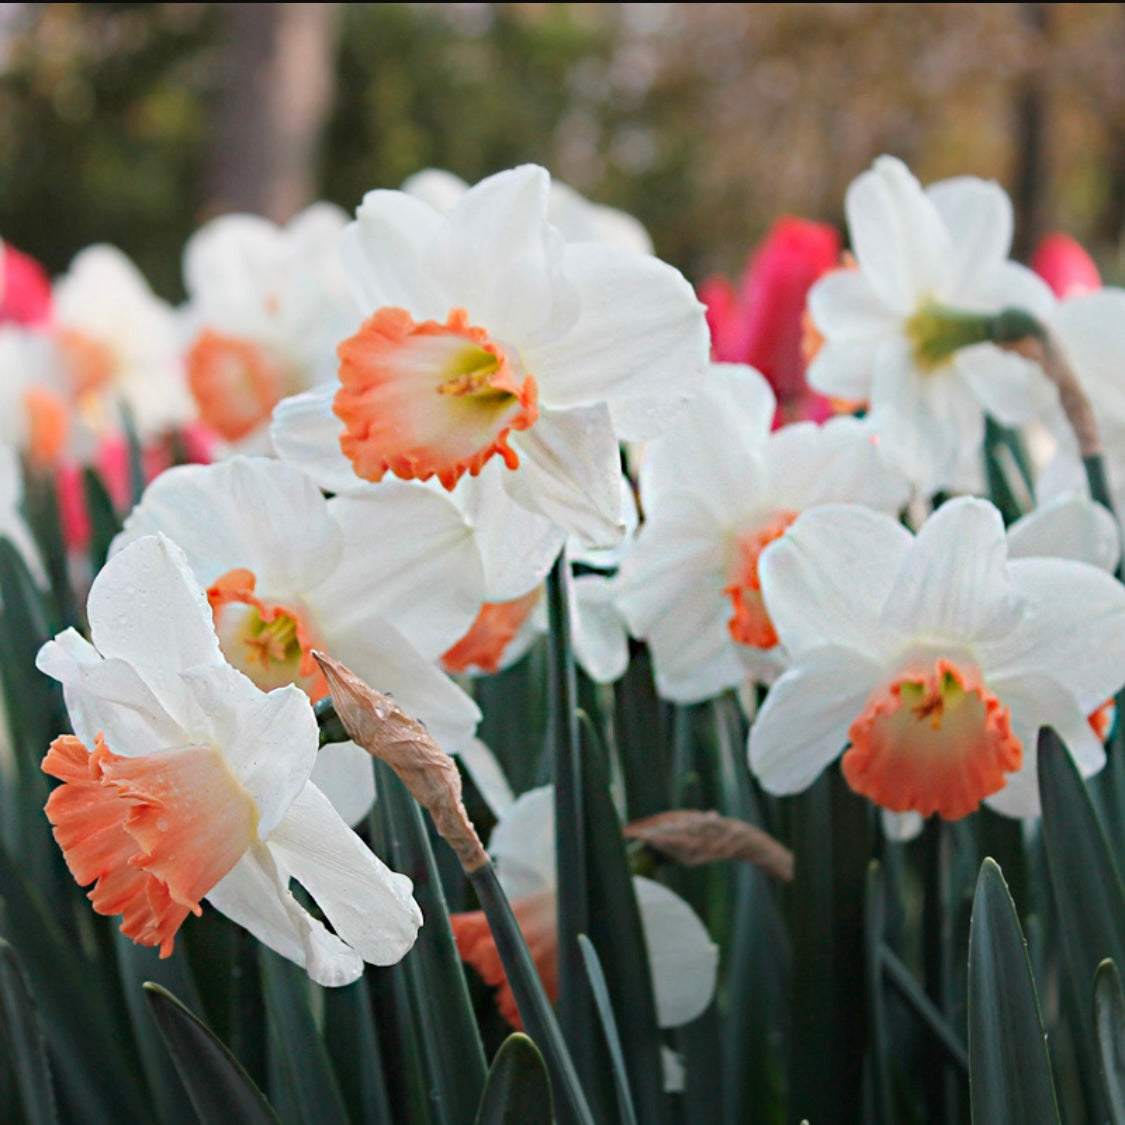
{"points": [[934, 660], [889, 337], [184, 781], [716, 490], [490, 340], [683, 959]]}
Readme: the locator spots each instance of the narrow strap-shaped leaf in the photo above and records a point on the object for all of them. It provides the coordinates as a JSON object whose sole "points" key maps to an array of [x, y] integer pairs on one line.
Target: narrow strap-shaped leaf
{"points": [[301, 1055], [138, 965], [518, 1091], [609, 1028], [96, 1071], [875, 923], [104, 521], [535, 1009], [575, 1004], [452, 1053], [617, 934], [220, 1090], [1109, 1026], [353, 1045], [26, 1047], [1009, 1068]]}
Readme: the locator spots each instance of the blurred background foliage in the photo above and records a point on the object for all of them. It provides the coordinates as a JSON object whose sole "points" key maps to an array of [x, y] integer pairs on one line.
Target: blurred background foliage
{"points": [[132, 123]]}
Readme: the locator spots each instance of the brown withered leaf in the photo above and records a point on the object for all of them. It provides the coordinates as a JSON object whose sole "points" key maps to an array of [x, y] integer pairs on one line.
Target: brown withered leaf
{"points": [[378, 724], [692, 837]]}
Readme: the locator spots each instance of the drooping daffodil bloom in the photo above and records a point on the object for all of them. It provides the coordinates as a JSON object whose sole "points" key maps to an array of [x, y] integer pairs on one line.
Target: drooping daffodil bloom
{"points": [[716, 490], [490, 340], [934, 660], [683, 959], [889, 338], [384, 582], [185, 781]]}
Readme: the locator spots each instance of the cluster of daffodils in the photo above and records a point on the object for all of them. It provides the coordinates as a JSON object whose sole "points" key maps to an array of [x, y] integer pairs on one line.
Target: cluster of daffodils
{"points": [[401, 423]]}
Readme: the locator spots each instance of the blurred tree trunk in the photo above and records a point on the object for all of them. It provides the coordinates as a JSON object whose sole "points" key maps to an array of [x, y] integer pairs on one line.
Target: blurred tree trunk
{"points": [[278, 92], [1031, 181]]}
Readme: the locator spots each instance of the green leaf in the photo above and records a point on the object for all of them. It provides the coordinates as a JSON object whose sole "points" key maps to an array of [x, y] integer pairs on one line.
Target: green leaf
{"points": [[616, 932], [1009, 1068], [95, 1069], [138, 965], [452, 1053], [25, 1044], [219, 1089], [353, 1045], [104, 521], [1109, 1025], [518, 1091], [300, 1055], [609, 1027]]}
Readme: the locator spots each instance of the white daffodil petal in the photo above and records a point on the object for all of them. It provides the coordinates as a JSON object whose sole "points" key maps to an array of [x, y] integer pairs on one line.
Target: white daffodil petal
{"points": [[1012, 389], [306, 434], [652, 346], [523, 843], [825, 581], [843, 369], [411, 558], [601, 642], [803, 724], [1070, 526], [1071, 629], [844, 306], [148, 609], [683, 958], [570, 472], [1091, 329], [255, 894], [902, 826], [256, 513], [384, 253], [978, 215], [517, 546], [344, 775], [269, 740], [954, 584], [368, 905], [900, 242]]}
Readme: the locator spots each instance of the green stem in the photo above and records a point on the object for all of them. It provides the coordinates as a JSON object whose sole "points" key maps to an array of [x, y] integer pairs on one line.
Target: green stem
{"points": [[534, 1007], [907, 987]]}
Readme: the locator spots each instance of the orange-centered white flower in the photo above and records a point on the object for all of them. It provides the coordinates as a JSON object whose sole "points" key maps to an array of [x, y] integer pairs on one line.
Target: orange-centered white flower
{"points": [[266, 307], [717, 490], [935, 660], [489, 338], [183, 781]]}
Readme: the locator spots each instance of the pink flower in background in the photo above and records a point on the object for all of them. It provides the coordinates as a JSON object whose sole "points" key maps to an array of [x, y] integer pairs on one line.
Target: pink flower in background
{"points": [[25, 289], [1065, 266], [762, 323]]}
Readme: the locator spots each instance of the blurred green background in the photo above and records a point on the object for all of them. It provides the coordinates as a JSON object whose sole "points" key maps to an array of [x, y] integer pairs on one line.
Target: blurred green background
{"points": [[133, 123]]}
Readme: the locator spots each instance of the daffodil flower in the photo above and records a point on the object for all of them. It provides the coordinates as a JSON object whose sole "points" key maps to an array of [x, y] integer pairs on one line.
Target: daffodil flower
{"points": [[266, 308], [384, 582], [890, 327], [935, 660], [716, 490], [184, 781], [489, 340], [683, 959]]}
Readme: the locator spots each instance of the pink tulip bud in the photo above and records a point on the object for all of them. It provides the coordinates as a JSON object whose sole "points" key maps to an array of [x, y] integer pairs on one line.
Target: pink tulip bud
{"points": [[1065, 266], [25, 289]]}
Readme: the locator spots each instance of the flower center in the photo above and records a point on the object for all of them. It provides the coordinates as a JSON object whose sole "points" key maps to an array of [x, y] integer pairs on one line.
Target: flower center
{"points": [[154, 833], [933, 741], [937, 332], [269, 642], [234, 383], [48, 425], [751, 624], [89, 363], [494, 628], [429, 399]]}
